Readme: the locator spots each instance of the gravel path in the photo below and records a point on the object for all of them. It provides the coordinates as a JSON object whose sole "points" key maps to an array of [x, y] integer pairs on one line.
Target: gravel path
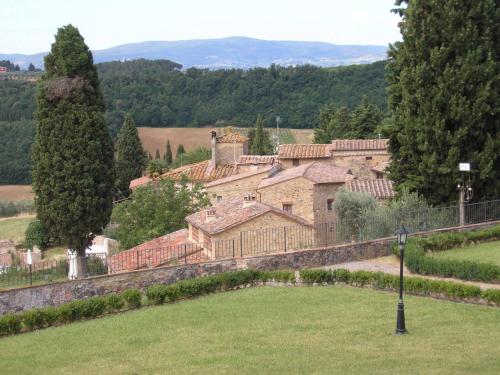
{"points": [[390, 264]]}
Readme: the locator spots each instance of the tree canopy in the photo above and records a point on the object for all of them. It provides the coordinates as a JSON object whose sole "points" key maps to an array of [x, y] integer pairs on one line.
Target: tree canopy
{"points": [[444, 94], [259, 139], [72, 155]]}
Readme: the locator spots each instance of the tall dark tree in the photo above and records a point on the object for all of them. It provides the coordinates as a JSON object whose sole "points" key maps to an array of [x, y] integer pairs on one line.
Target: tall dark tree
{"points": [[168, 154], [72, 155], [157, 155], [260, 142], [444, 93], [130, 157], [334, 123], [180, 155], [31, 67], [365, 118]]}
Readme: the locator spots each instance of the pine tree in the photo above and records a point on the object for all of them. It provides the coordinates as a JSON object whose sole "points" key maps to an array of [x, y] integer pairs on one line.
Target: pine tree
{"points": [[168, 154], [157, 155], [261, 142], [364, 120], [333, 124], [444, 94], [130, 157], [31, 67], [72, 155]]}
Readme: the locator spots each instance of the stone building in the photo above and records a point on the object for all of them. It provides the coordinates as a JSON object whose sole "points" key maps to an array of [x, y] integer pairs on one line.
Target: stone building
{"points": [[307, 191], [293, 155]]}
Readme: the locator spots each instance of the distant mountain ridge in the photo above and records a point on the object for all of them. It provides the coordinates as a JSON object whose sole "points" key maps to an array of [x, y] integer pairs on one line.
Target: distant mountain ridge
{"points": [[231, 52]]}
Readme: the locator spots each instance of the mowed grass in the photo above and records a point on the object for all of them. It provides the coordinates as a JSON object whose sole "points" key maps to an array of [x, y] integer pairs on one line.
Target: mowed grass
{"points": [[16, 192], [485, 252], [266, 330], [156, 138], [13, 228]]}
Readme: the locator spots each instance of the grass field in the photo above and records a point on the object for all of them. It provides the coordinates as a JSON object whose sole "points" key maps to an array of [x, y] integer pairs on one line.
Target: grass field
{"points": [[14, 228], [485, 252], [309, 330], [156, 138], [16, 192]]}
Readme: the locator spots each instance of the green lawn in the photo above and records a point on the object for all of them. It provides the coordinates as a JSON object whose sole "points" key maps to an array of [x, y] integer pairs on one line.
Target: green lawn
{"points": [[485, 252], [14, 228], [309, 330]]}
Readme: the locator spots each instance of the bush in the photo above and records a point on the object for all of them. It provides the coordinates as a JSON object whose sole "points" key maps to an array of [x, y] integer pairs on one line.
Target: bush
{"points": [[50, 315], [36, 234], [156, 294], [33, 319], [492, 295], [133, 298], [13, 208], [284, 276], [10, 324], [115, 302]]}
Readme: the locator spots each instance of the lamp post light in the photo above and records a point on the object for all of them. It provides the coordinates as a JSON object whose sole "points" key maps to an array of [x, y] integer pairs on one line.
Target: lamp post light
{"points": [[401, 234]]}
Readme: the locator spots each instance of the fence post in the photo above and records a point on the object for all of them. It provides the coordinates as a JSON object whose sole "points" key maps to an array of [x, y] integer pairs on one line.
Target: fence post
{"points": [[137, 259], [185, 255], [284, 238], [241, 244], [233, 247]]}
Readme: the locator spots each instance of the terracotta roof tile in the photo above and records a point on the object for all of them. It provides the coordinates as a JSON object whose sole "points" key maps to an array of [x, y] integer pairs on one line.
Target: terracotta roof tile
{"points": [[232, 213], [240, 176], [301, 151], [381, 189], [139, 181], [359, 144], [201, 172], [258, 159], [317, 172], [230, 136]]}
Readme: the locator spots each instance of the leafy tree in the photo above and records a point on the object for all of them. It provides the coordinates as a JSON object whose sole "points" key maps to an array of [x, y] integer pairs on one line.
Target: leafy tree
{"points": [[155, 211], [260, 141], [444, 94], [36, 234], [155, 168], [351, 209], [130, 157], [364, 120], [334, 123], [31, 67], [72, 155], [168, 154]]}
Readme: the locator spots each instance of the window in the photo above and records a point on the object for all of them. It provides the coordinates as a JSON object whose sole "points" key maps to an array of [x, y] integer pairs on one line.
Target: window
{"points": [[295, 162], [287, 207], [380, 176], [369, 158], [329, 204], [219, 198]]}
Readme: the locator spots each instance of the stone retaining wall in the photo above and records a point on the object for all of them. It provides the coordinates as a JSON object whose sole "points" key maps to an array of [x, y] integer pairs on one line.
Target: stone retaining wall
{"points": [[26, 298]]}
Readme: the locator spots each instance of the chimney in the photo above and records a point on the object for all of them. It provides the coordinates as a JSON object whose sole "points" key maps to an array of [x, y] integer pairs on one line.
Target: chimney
{"points": [[213, 162], [210, 215], [248, 200]]}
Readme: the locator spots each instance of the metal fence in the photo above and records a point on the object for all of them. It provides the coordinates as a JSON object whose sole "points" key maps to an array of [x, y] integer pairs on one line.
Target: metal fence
{"points": [[48, 271]]}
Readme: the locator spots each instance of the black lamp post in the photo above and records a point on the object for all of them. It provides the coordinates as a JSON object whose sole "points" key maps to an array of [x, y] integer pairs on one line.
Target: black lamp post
{"points": [[401, 233]]}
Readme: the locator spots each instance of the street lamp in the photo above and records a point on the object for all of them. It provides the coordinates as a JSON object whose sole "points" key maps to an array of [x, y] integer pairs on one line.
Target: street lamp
{"points": [[401, 234]]}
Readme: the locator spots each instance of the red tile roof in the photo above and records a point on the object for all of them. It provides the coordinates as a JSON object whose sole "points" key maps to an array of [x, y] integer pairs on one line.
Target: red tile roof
{"points": [[201, 172], [139, 181], [359, 144], [233, 213], [173, 247], [381, 189], [265, 169], [303, 151], [258, 159], [230, 136], [317, 172]]}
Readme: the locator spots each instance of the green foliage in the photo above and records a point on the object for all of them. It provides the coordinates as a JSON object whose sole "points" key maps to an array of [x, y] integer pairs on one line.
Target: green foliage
{"points": [[155, 168], [130, 157], [153, 211], [10, 324], [492, 295], [114, 302], [16, 139], [13, 208], [418, 262], [9, 65], [284, 276], [133, 298], [156, 294], [194, 156], [351, 208], [36, 235], [364, 120], [260, 140], [34, 319], [73, 157], [167, 157], [443, 88]]}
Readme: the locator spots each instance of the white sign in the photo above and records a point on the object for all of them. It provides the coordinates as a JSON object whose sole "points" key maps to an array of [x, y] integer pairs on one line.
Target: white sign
{"points": [[464, 167]]}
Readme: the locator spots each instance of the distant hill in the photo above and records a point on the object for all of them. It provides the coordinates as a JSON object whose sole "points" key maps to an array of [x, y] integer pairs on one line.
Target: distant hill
{"points": [[232, 52]]}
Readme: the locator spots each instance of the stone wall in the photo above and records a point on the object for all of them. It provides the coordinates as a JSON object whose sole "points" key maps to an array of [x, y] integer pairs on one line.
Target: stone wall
{"points": [[229, 153], [20, 299], [358, 163], [235, 189]]}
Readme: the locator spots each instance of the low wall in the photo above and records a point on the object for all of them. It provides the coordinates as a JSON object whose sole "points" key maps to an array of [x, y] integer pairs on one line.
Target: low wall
{"points": [[26, 298]]}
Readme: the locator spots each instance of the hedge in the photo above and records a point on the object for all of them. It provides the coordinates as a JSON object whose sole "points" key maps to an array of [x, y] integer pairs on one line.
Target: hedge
{"points": [[418, 262], [412, 285]]}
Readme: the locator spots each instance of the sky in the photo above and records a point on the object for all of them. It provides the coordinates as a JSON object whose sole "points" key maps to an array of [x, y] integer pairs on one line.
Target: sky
{"points": [[28, 26]]}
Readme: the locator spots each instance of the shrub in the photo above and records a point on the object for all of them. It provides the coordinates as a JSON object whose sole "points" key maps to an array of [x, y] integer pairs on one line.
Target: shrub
{"points": [[50, 315], [10, 324], [285, 276], [316, 276], [115, 302], [360, 278], [133, 298], [33, 319], [36, 234], [92, 307], [492, 295], [156, 294]]}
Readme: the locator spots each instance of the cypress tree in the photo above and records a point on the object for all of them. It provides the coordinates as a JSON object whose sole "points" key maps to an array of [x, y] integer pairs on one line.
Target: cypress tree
{"points": [[334, 123], [261, 143], [444, 94], [168, 154], [72, 155], [364, 120], [130, 157], [157, 155]]}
